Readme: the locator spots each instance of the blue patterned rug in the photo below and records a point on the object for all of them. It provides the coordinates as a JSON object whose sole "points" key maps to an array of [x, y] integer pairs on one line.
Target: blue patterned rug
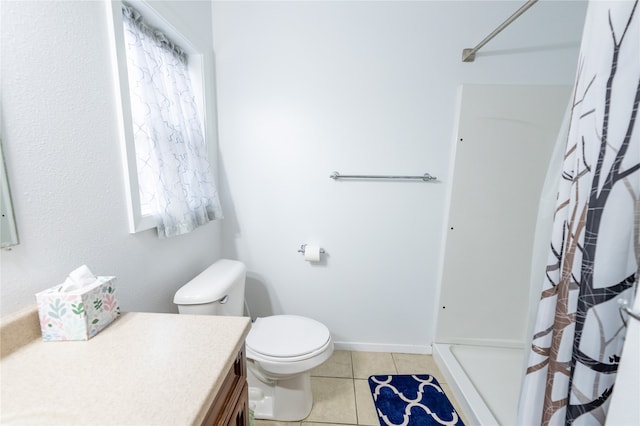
{"points": [[412, 400]]}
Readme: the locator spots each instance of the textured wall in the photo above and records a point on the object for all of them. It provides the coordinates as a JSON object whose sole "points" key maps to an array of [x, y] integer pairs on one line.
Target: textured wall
{"points": [[61, 143]]}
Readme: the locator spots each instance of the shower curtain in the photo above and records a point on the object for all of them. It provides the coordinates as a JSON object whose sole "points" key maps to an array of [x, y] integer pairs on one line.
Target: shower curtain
{"points": [[594, 250]]}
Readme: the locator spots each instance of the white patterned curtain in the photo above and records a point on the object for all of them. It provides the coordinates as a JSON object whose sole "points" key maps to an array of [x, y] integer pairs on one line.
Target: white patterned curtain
{"points": [[175, 178], [595, 245]]}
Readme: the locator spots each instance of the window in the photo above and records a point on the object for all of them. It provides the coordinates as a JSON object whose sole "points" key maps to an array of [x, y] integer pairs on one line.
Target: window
{"points": [[170, 181]]}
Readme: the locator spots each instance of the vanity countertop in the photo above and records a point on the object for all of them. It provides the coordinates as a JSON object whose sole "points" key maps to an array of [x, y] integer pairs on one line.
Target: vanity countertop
{"points": [[143, 369]]}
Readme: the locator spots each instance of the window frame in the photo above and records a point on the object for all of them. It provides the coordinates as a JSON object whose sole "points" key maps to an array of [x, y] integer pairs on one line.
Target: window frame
{"points": [[200, 69]]}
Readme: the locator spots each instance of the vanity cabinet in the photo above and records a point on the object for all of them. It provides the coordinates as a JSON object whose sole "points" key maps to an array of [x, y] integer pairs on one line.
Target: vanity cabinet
{"points": [[231, 405], [202, 356]]}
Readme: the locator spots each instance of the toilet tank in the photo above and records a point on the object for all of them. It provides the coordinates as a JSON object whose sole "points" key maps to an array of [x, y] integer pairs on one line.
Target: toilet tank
{"points": [[218, 290]]}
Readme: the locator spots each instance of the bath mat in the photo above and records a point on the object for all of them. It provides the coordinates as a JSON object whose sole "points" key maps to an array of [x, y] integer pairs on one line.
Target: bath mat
{"points": [[412, 400]]}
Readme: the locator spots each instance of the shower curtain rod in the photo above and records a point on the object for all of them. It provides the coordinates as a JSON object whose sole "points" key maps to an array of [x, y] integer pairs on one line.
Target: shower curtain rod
{"points": [[469, 55]]}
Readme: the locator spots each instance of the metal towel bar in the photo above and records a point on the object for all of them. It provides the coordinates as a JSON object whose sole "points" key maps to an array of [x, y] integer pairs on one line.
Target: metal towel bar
{"points": [[426, 177]]}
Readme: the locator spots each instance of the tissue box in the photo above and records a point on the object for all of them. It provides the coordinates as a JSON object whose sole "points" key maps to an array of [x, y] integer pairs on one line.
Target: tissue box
{"points": [[78, 314]]}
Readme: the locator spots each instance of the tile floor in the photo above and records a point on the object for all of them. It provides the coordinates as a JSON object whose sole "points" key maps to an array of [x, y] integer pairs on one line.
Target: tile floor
{"points": [[341, 392]]}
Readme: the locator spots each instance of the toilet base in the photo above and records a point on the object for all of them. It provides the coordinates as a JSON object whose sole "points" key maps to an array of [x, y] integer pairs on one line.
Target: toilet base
{"points": [[283, 400]]}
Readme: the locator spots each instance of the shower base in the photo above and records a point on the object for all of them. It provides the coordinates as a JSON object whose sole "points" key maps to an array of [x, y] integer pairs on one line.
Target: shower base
{"points": [[484, 379]]}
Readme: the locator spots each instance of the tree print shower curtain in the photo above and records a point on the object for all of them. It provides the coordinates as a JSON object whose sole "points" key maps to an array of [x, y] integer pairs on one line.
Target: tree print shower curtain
{"points": [[594, 248]]}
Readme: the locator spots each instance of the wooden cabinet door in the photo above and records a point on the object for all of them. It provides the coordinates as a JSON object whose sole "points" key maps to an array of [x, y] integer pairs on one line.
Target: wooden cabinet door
{"points": [[231, 405]]}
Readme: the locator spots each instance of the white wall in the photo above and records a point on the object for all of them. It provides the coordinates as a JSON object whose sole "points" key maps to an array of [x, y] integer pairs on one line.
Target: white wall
{"points": [[60, 138], [306, 88]]}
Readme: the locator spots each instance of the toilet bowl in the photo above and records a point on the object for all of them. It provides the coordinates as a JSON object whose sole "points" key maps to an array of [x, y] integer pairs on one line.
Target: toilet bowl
{"points": [[281, 350]]}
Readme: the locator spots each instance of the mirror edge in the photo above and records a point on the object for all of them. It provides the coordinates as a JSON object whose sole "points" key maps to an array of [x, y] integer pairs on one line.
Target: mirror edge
{"points": [[9, 231]]}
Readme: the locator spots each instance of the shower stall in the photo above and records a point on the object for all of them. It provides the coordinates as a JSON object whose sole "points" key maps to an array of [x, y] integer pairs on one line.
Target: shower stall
{"points": [[504, 147]]}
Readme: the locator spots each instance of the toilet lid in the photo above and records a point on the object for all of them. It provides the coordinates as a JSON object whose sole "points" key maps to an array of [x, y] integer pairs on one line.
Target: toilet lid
{"points": [[286, 336]]}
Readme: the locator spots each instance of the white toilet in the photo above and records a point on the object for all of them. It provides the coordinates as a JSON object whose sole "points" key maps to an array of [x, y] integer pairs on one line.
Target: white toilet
{"points": [[281, 349]]}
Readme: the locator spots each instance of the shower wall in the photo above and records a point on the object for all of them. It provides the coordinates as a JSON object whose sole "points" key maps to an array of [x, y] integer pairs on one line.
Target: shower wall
{"points": [[506, 135]]}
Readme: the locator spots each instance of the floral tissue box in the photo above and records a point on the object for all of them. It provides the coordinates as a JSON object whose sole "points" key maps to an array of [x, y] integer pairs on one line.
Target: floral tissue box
{"points": [[77, 314]]}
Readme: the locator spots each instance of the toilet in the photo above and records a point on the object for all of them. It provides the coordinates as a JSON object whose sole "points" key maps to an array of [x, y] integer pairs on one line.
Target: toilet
{"points": [[281, 350]]}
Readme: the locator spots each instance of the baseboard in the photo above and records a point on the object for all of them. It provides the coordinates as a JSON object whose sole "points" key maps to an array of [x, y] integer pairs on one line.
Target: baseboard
{"points": [[382, 347], [494, 343]]}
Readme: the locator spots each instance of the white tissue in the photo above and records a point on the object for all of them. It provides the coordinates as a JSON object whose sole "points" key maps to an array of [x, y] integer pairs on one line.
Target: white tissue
{"points": [[78, 278], [312, 253]]}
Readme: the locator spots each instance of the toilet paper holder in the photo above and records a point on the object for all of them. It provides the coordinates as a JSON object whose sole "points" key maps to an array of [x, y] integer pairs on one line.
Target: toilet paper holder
{"points": [[302, 247]]}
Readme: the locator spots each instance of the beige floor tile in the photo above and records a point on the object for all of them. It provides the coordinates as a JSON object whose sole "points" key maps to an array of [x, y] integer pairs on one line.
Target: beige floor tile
{"points": [[366, 364], [340, 400], [339, 365], [364, 404], [333, 401], [417, 364], [447, 391]]}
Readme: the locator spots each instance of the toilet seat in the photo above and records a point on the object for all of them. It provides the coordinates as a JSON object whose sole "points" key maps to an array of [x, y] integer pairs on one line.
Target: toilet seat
{"points": [[287, 338]]}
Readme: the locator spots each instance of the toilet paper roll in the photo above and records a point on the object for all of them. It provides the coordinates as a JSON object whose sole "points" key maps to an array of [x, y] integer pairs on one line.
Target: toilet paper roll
{"points": [[312, 253]]}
